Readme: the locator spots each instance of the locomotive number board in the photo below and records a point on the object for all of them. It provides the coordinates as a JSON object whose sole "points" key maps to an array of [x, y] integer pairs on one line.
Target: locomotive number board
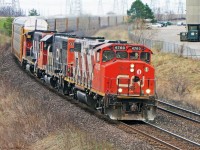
{"points": [[120, 47], [134, 48], [137, 48]]}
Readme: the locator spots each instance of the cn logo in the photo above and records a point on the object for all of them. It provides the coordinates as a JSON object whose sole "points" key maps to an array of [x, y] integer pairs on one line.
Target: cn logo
{"points": [[130, 79], [139, 71]]}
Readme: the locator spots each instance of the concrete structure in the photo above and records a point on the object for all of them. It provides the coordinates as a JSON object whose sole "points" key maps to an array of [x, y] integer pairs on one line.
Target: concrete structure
{"points": [[193, 20], [192, 12]]}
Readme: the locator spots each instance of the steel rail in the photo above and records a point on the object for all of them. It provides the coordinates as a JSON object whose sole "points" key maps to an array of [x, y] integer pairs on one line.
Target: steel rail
{"points": [[151, 137], [178, 136], [182, 116], [188, 111]]}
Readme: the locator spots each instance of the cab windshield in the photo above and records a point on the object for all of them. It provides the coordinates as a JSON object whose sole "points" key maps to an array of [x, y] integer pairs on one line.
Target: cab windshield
{"points": [[134, 55], [108, 55], [121, 55]]}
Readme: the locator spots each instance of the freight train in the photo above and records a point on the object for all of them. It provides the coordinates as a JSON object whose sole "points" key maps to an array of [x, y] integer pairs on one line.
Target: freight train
{"points": [[111, 76]]}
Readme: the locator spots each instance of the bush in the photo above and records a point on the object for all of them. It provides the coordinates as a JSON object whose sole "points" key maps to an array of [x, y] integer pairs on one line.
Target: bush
{"points": [[8, 26]]}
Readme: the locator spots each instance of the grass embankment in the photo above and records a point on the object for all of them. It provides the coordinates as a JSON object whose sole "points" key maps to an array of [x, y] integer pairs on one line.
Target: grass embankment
{"points": [[3, 39], [177, 77], [2, 21], [29, 121]]}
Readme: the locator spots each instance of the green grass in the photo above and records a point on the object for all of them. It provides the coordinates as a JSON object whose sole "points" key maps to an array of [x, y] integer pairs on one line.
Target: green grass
{"points": [[2, 21]]}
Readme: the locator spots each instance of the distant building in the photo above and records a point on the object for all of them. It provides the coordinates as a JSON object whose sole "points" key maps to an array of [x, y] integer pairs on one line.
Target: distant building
{"points": [[193, 19], [192, 14]]}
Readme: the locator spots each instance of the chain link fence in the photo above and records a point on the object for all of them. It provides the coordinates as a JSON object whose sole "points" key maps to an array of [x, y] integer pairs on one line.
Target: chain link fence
{"points": [[167, 47]]}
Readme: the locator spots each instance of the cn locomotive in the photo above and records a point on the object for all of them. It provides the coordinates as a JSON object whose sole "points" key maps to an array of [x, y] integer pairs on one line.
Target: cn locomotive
{"points": [[113, 77]]}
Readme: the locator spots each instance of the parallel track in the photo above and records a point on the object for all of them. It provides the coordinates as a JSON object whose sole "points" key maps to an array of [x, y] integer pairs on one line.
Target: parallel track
{"points": [[160, 138], [175, 135], [189, 115], [158, 143]]}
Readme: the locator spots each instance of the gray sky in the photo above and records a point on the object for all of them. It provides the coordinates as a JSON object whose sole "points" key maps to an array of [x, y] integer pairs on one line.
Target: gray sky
{"points": [[58, 7]]}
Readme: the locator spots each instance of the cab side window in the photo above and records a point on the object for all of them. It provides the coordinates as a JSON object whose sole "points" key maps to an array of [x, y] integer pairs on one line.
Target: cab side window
{"points": [[144, 56]]}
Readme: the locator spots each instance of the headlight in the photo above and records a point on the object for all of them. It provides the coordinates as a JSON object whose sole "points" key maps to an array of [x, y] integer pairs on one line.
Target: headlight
{"points": [[132, 65], [148, 91], [120, 90], [131, 70]]}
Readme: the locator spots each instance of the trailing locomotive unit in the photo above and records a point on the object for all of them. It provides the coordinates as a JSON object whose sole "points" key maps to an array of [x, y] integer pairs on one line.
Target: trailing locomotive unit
{"points": [[21, 26]]}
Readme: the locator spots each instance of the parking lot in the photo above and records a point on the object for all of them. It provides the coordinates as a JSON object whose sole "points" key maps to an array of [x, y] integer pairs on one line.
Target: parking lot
{"points": [[171, 34]]}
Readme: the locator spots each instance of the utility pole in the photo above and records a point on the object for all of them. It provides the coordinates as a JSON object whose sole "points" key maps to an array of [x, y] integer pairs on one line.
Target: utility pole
{"points": [[124, 5], [76, 7], [167, 6], [100, 8], [116, 7], [180, 8], [1, 3], [67, 7], [16, 5]]}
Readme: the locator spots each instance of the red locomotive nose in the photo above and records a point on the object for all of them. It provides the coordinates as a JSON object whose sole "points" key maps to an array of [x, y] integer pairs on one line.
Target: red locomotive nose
{"points": [[130, 79]]}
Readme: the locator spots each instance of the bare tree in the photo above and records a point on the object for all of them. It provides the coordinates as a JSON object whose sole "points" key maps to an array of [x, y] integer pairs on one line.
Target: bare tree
{"points": [[9, 11]]}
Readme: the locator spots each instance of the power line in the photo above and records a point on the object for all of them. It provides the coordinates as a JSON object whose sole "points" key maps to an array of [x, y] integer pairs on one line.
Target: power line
{"points": [[116, 7], [12, 3], [100, 7], [16, 5], [180, 7], [76, 7], [167, 4], [124, 5], [67, 7]]}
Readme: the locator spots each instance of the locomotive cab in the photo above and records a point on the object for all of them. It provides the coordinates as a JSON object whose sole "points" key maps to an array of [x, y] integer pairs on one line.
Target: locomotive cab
{"points": [[129, 88]]}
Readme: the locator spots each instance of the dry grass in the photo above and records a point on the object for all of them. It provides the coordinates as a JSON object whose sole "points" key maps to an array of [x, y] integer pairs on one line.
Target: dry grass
{"points": [[116, 33], [28, 123], [3, 39], [177, 77], [70, 138]]}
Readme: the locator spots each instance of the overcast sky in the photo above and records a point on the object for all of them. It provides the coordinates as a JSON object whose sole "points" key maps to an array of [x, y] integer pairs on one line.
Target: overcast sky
{"points": [[58, 7]]}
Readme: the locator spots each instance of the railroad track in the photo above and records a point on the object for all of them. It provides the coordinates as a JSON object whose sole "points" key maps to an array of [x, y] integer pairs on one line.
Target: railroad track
{"points": [[158, 137], [142, 135], [178, 111]]}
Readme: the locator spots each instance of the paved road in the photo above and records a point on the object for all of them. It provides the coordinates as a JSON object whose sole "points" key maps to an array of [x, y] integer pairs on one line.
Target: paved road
{"points": [[171, 34]]}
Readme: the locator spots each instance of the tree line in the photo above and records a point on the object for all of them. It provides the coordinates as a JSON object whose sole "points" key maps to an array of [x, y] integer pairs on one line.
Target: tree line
{"points": [[139, 10]]}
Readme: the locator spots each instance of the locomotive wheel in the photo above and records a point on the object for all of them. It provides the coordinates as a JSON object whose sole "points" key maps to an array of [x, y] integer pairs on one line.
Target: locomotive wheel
{"points": [[23, 64], [65, 91], [39, 73]]}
